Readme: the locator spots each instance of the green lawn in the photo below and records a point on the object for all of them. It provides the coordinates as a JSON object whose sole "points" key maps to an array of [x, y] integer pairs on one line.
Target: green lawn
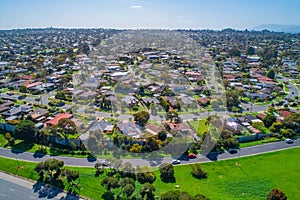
{"points": [[255, 177], [259, 142], [252, 179], [199, 126]]}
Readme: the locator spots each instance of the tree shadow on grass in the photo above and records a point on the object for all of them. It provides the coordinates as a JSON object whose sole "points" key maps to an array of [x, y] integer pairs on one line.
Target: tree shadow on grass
{"points": [[21, 147], [46, 191], [169, 180]]}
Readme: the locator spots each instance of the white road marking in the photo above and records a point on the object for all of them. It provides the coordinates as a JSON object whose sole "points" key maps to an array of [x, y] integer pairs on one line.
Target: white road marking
{"points": [[3, 195], [12, 189]]}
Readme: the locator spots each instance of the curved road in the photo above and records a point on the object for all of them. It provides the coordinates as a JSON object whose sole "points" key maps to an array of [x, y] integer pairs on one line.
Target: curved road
{"points": [[154, 161]]}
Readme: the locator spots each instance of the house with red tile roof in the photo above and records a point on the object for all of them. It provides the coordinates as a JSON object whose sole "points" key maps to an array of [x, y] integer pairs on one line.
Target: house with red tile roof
{"points": [[55, 120]]}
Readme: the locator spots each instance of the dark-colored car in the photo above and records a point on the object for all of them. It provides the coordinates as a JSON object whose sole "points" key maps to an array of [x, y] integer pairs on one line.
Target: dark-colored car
{"points": [[232, 151]]}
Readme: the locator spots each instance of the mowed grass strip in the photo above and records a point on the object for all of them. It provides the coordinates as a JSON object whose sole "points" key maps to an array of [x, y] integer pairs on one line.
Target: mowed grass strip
{"points": [[244, 178]]}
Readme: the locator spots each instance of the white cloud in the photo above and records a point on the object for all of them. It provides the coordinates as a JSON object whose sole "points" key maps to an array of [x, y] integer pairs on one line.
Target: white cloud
{"points": [[136, 7]]}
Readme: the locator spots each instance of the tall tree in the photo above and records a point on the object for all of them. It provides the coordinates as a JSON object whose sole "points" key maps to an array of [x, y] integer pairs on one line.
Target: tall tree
{"points": [[141, 118], [167, 172], [67, 126], [25, 130]]}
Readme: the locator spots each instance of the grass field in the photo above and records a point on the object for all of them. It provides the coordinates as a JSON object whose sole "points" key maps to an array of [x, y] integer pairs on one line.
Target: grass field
{"points": [[252, 179]]}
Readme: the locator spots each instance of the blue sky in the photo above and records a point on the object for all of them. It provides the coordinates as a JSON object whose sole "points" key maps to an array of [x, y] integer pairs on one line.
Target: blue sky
{"points": [[194, 14]]}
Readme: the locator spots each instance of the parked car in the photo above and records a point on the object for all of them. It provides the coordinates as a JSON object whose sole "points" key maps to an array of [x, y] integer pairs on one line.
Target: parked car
{"points": [[232, 151], [176, 162], [192, 155], [289, 141]]}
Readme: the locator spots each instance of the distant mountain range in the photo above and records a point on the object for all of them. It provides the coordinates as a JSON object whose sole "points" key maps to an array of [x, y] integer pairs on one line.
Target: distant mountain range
{"points": [[278, 28]]}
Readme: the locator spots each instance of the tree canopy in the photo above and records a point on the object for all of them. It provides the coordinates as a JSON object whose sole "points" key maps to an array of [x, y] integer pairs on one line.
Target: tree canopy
{"points": [[141, 118], [25, 130]]}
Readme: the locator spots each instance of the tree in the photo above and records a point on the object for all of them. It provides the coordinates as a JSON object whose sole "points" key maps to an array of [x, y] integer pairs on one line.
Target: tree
{"points": [[198, 172], [147, 191], [126, 181], [234, 52], [25, 130], [67, 126], [72, 176], [276, 194], [250, 51], [136, 148], [162, 135], [50, 170], [276, 126], [292, 121], [233, 98], [231, 143], [83, 48], [176, 195], [271, 74], [23, 89], [144, 175], [110, 183], [60, 95], [129, 189], [166, 172], [269, 119], [92, 143], [141, 118], [152, 144]]}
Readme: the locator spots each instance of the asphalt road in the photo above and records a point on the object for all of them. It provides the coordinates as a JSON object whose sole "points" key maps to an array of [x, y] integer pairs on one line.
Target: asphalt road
{"points": [[153, 160], [13, 188]]}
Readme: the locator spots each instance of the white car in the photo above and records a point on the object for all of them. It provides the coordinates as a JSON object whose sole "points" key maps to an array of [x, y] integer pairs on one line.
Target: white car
{"points": [[176, 162], [289, 141]]}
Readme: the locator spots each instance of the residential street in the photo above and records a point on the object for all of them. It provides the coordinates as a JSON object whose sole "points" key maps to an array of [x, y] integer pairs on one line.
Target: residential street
{"points": [[153, 161], [13, 188]]}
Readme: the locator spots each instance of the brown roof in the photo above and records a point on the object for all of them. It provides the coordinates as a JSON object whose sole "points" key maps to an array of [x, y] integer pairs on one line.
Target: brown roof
{"points": [[284, 113]]}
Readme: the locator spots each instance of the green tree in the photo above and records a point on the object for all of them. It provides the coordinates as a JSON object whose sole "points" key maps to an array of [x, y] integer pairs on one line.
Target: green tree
{"points": [[49, 170], [147, 191], [234, 52], [23, 89], [129, 189], [60, 95], [271, 74], [110, 183], [141, 118], [72, 177], [233, 98], [135, 148], [269, 119], [250, 51], [25, 130], [176, 195], [292, 121], [198, 172], [144, 175], [162, 135], [276, 194], [276, 126], [67, 126], [230, 143], [167, 172]]}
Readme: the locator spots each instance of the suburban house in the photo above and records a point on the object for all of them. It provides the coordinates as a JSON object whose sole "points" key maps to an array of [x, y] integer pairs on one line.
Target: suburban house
{"points": [[54, 121]]}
